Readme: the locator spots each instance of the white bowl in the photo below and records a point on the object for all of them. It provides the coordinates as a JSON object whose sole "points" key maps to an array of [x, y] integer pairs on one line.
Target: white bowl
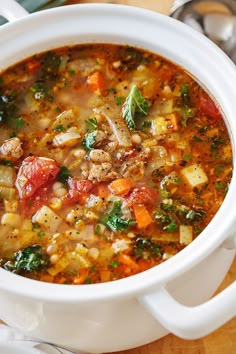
{"points": [[130, 312]]}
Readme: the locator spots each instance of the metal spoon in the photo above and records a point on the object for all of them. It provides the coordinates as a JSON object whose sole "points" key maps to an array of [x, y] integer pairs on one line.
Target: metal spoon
{"points": [[216, 19]]}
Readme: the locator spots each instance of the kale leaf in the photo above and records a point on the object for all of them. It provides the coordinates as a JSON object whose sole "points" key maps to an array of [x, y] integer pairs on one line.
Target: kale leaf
{"points": [[90, 137], [114, 219], [29, 259], [145, 248], [135, 106]]}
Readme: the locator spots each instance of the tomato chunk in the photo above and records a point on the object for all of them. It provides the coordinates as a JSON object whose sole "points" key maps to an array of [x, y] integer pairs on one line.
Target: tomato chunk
{"points": [[208, 107], [96, 81], [78, 188], [34, 173], [142, 195]]}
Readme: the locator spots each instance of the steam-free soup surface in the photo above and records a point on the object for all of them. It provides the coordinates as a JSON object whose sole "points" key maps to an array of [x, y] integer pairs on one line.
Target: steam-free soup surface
{"points": [[112, 160]]}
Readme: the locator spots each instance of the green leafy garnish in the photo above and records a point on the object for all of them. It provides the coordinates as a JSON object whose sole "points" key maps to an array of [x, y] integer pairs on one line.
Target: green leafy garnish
{"points": [[115, 263], [91, 124], [146, 125], [187, 110], [89, 140], [19, 123], [90, 137], [111, 89], [64, 174], [197, 139], [135, 106], [71, 72], [185, 94], [29, 259], [187, 157], [145, 248], [7, 107], [114, 219], [119, 100], [171, 227], [59, 128], [216, 142]]}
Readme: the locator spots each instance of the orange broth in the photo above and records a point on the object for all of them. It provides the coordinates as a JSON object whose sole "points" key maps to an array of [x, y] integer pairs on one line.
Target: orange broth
{"points": [[112, 160]]}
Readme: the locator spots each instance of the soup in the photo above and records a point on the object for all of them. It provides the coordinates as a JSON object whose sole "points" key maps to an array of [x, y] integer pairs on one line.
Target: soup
{"points": [[112, 160]]}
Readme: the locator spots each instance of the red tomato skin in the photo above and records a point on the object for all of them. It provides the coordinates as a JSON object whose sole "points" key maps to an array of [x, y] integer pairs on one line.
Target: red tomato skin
{"points": [[30, 206], [208, 107], [78, 188], [142, 195], [34, 173]]}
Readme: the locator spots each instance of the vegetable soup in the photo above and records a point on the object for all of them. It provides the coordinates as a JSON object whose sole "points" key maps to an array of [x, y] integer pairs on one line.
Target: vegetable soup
{"points": [[112, 160]]}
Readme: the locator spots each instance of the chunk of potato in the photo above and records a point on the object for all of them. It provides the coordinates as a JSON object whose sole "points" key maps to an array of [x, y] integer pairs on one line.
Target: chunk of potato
{"points": [[7, 176], [11, 219], [47, 219], [194, 175], [185, 234]]}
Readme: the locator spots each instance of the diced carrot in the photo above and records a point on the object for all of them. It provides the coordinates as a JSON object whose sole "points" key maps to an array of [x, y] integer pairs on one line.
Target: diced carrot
{"points": [[102, 190], [121, 186], [105, 275], [128, 261], [83, 273], [96, 81], [142, 216], [172, 117], [33, 66]]}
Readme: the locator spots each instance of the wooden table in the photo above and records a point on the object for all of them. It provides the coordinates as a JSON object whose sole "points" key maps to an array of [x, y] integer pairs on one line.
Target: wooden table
{"points": [[222, 341]]}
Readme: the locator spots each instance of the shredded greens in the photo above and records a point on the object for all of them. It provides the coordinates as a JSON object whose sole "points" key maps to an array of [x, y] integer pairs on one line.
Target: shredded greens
{"points": [[90, 137], [29, 259], [114, 219]]}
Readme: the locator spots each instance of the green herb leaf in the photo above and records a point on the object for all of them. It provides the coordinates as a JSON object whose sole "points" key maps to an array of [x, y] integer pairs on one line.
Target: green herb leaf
{"points": [[91, 124], [19, 123], [29, 259], [89, 140], [172, 227], [135, 106], [185, 94], [115, 263], [71, 72], [120, 100], [145, 248], [59, 128], [114, 219], [64, 174], [146, 125], [187, 157]]}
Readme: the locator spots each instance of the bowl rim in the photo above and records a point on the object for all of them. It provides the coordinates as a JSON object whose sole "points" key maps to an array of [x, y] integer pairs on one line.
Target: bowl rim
{"points": [[204, 244]]}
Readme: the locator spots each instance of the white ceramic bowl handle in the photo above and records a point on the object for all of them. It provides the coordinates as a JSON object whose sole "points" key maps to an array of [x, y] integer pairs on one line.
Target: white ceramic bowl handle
{"points": [[11, 10], [191, 322]]}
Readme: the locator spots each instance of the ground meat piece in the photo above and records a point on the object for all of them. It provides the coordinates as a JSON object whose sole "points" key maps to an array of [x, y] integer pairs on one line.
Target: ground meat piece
{"points": [[11, 149], [102, 173]]}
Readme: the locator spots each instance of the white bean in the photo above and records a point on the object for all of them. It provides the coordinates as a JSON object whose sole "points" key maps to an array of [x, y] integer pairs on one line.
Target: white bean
{"points": [[98, 155]]}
